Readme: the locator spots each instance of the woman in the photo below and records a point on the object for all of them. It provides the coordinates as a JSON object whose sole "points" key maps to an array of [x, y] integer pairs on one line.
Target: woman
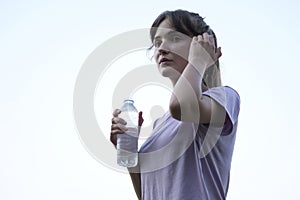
{"points": [[192, 144]]}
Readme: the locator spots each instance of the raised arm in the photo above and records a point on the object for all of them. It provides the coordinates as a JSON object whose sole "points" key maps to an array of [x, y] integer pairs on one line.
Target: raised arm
{"points": [[187, 102]]}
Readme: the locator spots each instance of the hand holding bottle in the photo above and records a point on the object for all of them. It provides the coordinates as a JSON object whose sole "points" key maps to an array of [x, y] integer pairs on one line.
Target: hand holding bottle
{"points": [[124, 133], [118, 125]]}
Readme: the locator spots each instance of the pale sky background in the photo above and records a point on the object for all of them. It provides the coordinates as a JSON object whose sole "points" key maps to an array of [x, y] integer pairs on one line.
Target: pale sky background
{"points": [[43, 45]]}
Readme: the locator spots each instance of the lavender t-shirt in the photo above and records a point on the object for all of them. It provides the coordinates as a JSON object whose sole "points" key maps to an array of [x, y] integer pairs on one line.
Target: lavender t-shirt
{"points": [[188, 161]]}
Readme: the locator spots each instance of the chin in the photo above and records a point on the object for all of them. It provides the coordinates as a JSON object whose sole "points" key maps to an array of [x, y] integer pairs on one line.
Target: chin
{"points": [[168, 71]]}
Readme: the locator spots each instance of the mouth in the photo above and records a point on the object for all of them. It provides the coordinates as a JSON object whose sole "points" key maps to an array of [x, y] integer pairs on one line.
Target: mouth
{"points": [[164, 60]]}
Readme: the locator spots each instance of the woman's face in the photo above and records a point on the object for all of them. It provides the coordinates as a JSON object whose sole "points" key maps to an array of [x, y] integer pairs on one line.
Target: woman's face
{"points": [[171, 50]]}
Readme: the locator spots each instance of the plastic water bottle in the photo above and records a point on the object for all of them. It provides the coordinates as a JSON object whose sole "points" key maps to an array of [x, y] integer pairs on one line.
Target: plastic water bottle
{"points": [[127, 143]]}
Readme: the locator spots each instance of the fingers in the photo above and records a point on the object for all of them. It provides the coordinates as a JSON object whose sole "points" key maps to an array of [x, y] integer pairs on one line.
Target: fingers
{"points": [[206, 41], [206, 37], [118, 120], [199, 38], [209, 39], [116, 112], [141, 119], [218, 52], [118, 128], [118, 124], [113, 139]]}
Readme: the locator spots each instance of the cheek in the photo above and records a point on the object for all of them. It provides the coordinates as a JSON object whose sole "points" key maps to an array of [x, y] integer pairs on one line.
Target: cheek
{"points": [[183, 51], [182, 60], [155, 57], [181, 64]]}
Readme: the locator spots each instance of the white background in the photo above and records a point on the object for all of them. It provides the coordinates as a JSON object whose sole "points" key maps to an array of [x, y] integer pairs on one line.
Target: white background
{"points": [[43, 45]]}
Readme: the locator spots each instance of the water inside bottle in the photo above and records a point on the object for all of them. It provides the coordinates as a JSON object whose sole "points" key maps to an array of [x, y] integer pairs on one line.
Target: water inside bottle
{"points": [[127, 155]]}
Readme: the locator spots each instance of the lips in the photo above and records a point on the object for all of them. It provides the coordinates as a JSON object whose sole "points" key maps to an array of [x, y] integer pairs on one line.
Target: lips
{"points": [[162, 60]]}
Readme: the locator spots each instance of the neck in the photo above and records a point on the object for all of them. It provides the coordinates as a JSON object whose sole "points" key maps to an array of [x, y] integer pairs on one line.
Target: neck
{"points": [[203, 86]]}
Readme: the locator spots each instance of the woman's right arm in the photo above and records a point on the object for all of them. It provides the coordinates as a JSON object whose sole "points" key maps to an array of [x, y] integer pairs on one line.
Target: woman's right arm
{"points": [[118, 127], [136, 181]]}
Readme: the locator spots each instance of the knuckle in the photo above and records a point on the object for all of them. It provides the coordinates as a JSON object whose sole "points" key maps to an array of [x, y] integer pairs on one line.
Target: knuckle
{"points": [[113, 126], [114, 120]]}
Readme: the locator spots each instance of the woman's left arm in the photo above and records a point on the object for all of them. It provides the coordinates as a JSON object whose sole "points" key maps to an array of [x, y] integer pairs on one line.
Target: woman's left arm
{"points": [[187, 102]]}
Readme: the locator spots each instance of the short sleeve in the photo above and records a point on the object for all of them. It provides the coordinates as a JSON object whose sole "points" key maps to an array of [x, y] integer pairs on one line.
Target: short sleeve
{"points": [[229, 99]]}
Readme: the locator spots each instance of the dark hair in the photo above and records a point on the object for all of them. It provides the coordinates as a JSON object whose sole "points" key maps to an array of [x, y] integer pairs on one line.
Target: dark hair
{"points": [[191, 24], [185, 22]]}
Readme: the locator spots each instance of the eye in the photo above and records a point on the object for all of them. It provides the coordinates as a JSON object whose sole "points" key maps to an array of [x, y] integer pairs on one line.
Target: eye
{"points": [[175, 38], [157, 43]]}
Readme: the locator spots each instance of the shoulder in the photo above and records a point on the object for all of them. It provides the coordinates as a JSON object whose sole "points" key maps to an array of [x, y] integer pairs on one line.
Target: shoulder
{"points": [[225, 88], [232, 91], [228, 98], [223, 94]]}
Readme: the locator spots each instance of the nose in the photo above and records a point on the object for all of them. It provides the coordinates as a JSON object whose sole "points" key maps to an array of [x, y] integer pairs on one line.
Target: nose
{"points": [[163, 48], [162, 51]]}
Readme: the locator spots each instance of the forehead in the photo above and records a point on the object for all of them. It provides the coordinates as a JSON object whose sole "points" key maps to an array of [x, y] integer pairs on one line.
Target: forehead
{"points": [[166, 28]]}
